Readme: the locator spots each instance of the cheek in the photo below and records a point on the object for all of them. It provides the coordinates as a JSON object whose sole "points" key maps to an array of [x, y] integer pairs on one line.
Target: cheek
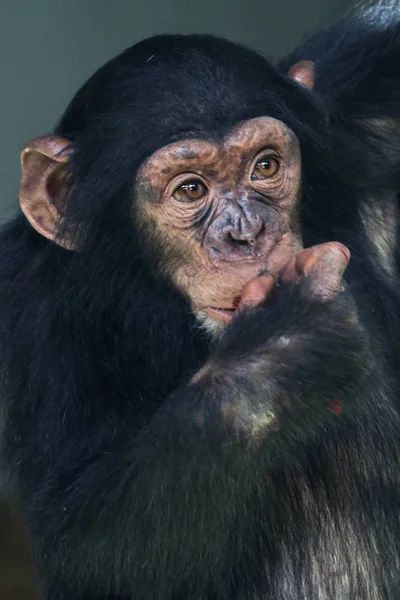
{"points": [[178, 220], [171, 226], [285, 191]]}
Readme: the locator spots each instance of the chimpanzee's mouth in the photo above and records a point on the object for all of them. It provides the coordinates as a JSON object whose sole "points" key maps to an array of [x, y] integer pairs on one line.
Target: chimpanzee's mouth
{"points": [[224, 314]]}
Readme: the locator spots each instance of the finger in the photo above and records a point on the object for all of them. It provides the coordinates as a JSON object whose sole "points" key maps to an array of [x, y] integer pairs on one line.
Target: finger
{"points": [[290, 273], [332, 256], [256, 291], [332, 253], [324, 273]]}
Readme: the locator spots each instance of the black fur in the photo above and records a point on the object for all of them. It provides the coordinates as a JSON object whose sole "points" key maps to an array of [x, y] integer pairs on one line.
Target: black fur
{"points": [[125, 476]]}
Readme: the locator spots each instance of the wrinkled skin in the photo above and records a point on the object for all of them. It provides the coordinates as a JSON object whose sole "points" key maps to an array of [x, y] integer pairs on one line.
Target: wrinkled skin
{"points": [[242, 225], [323, 265]]}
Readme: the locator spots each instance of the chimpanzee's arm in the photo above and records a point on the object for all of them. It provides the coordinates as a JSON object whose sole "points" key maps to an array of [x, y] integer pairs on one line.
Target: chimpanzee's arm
{"points": [[161, 510]]}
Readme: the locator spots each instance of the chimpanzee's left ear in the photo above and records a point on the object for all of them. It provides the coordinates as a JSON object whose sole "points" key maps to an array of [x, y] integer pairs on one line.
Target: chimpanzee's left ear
{"points": [[303, 73]]}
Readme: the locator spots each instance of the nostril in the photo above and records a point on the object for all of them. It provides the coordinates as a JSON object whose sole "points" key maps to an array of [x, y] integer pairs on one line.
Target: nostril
{"points": [[245, 232], [242, 240]]}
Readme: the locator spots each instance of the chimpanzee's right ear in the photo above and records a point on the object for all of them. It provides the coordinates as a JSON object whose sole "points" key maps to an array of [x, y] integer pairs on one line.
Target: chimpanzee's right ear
{"points": [[42, 191]]}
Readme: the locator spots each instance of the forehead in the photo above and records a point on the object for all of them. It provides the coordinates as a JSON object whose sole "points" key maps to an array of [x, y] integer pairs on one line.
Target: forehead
{"points": [[255, 133]]}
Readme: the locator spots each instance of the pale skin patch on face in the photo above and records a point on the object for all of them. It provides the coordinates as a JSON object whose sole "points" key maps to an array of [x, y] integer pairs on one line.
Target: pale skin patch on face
{"points": [[208, 267]]}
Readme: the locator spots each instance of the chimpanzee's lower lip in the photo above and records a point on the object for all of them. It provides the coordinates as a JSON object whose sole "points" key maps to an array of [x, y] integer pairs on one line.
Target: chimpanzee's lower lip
{"points": [[222, 314]]}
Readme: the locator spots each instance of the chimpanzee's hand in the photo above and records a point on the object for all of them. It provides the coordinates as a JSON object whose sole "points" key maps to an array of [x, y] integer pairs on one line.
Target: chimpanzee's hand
{"points": [[321, 269], [295, 348]]}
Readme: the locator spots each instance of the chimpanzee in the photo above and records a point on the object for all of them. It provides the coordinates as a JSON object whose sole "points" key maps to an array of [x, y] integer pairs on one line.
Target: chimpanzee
{"points": [[200, 324]]}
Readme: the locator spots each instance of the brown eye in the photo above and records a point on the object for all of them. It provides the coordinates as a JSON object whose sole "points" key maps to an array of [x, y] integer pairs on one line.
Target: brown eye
{"points": [[266, 168], [191, 190]]}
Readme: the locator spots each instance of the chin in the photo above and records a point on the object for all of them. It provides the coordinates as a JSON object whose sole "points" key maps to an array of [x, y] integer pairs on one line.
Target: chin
{"points": [[214, 327]]}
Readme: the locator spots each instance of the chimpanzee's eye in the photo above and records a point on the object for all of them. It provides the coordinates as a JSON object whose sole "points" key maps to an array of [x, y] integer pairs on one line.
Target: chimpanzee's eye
{"points": [[190, 190], [266, 168]]}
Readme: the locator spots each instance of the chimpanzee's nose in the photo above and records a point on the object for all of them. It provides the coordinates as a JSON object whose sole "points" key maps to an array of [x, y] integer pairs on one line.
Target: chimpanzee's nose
{"points": [[246, 230]]}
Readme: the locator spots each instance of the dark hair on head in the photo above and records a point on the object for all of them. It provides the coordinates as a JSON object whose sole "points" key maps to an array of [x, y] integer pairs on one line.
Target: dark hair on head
{"points": [[160, 90]]}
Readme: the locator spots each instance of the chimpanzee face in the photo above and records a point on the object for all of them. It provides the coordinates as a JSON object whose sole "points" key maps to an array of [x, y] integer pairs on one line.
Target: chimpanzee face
{"points": [[223, 212]]}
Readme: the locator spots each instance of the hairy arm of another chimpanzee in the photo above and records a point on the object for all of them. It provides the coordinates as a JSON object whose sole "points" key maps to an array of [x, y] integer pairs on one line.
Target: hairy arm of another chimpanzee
{"points": [[161, 510]]}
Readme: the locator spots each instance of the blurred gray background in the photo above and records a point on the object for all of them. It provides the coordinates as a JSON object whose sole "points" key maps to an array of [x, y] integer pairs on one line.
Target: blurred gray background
{"points": [[48, 48]]}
